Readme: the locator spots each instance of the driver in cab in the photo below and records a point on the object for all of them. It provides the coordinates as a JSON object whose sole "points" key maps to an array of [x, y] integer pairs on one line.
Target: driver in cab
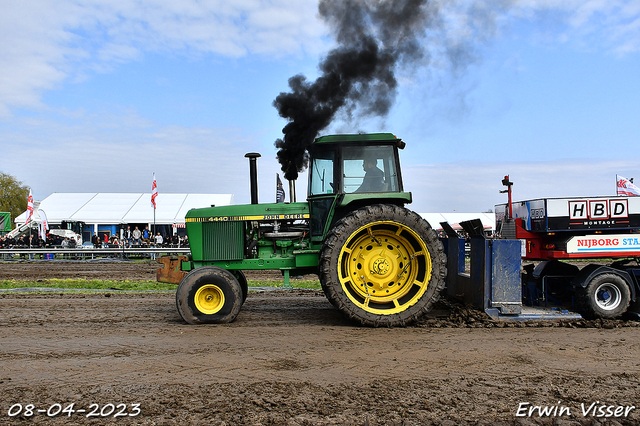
{"points": [[374, 177]]}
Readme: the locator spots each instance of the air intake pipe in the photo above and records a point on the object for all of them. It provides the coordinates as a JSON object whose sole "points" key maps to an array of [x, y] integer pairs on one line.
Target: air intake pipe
{"points": [[253, 175]]}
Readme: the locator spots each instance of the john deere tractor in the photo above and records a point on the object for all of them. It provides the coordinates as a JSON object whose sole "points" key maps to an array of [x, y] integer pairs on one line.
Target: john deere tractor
{"points": [[378, 262]]}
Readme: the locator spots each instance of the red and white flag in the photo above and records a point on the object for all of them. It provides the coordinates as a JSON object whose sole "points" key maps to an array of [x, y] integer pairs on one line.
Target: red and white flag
{"points": [[154, 191], [625, 187], [44, 224], [29, 207]]}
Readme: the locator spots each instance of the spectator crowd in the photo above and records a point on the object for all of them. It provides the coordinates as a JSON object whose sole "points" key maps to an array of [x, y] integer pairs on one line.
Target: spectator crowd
{"points": [[137, 238], [35, 241], [129, 239]]}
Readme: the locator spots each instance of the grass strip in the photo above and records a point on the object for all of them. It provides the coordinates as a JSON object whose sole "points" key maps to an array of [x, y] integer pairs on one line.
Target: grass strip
{"points": [[128, 285], [73, 283]]}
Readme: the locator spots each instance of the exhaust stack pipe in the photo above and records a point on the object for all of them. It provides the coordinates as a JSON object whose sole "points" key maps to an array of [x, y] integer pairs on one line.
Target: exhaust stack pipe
{"points": [[253, 175], [292, 191]]}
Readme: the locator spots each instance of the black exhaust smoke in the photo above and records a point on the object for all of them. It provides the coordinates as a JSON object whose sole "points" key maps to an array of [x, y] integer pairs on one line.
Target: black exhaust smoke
{"points": [[357, 77]]}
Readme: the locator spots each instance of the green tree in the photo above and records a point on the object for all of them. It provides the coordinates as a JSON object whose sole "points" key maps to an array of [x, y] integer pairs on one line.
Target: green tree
{"points": [[13, 196]]}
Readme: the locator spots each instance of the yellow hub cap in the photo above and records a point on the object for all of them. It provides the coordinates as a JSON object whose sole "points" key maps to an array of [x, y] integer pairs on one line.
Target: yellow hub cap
{"points": [[209, 299], [384, 267]]}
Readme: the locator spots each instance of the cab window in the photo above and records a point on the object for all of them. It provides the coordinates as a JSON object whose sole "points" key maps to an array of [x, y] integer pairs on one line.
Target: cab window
{"points": [[369, 169], [321, 176]]}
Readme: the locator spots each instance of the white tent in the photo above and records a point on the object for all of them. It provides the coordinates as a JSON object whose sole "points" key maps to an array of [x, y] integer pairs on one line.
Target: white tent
{"points": [[121, 208]]}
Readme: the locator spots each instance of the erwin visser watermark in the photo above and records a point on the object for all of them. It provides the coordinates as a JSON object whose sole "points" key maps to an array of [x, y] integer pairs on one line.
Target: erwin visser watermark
{"points": [[590, 409]]}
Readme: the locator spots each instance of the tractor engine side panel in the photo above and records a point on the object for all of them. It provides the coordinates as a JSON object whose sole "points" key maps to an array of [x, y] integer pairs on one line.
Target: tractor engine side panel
{"points": [[242, 233]]}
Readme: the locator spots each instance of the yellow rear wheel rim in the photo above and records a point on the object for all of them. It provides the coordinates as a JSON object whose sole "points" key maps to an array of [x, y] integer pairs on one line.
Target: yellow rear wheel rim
{"points": [[384, 267], [209, 299]]}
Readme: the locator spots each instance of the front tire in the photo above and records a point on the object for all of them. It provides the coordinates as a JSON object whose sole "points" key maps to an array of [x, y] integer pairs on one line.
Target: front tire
{"points": [[605, 296], [383, 265], [209, 295]]}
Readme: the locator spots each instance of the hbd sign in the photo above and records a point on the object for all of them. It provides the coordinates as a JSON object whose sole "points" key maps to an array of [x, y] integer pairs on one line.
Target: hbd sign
{"points": [[600, 209]]}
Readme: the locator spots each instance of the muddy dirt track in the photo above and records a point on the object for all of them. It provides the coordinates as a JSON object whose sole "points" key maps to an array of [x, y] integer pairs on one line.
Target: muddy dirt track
{"points": [[291, 359]]}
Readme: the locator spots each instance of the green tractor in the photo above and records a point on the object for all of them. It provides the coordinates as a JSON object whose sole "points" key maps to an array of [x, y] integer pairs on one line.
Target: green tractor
{"points": [[378, 262]]}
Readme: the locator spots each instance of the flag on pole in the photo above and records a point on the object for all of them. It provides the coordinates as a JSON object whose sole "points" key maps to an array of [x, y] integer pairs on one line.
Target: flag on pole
{"points": [[44, 224], [154, 192], [625, 187], [29, 207], [279, 190]]}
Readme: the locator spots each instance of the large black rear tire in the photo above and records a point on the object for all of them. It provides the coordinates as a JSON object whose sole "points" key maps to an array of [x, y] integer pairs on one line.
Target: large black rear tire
{"points": [[209, 295], [383, 265], [605, 296]]}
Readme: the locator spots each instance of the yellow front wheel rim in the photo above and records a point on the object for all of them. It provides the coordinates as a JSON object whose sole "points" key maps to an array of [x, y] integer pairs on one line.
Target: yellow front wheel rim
{"points": [[209, 299], [384, 267]]}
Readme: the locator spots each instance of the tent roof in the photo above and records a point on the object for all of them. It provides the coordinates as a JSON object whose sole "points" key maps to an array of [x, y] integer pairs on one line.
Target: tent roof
{"points": [[115, 208], [62, 205], [104, 208]]}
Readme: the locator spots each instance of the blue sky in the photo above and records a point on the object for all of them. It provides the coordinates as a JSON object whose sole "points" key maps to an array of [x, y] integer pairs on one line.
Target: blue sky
{"points": [[95, 96]]}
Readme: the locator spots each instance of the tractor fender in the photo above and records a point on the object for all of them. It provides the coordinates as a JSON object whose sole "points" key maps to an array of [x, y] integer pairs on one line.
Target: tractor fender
{"points": [[589, 272]]}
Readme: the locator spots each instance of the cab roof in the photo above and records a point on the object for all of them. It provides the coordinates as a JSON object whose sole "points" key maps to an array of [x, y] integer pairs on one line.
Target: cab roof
{"points": [[359, 137]]}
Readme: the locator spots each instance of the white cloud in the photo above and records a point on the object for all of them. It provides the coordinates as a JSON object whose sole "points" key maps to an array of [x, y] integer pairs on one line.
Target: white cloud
{"points": [[118, 152], [613, 25], [43, 43]]}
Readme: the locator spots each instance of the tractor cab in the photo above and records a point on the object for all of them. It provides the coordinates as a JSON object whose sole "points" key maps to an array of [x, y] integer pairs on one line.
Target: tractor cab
{"points": [[349, 171]]}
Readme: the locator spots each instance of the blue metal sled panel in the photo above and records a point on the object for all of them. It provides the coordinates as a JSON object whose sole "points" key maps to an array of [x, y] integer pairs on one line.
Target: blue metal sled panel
{"points": [[506, 287]]}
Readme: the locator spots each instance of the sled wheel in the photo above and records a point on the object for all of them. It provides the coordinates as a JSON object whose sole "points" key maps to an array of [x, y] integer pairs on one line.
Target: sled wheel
{"points": [[606, 296], [242, 279], [209, 295], [382, 265]]}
